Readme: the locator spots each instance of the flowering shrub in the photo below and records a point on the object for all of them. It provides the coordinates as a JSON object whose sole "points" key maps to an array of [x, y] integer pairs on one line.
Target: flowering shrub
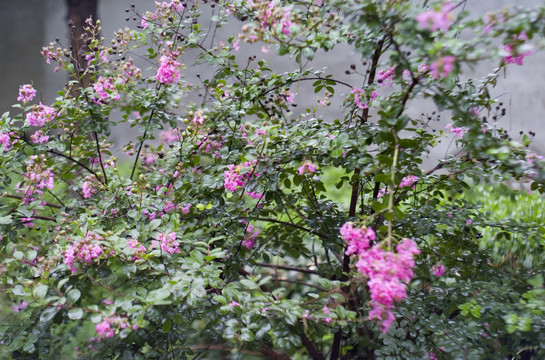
{"points": [[255, 227]]}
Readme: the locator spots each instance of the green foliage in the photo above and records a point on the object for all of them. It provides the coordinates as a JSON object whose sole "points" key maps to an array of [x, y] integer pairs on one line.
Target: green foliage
{"points": [[222, 239]]}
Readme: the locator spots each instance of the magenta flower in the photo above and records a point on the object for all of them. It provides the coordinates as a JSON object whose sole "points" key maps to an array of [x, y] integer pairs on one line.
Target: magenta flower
{"points": [[443, 66], [436, 20], [458, 131], [41, 115], [408, 181], [307, 167], [104, 329], [357, 239], [438, 270], [88, 189], [5, 139], [386, 76], [361, 93], [167, 244], [39, 137], [168, 72], [26, 93]]}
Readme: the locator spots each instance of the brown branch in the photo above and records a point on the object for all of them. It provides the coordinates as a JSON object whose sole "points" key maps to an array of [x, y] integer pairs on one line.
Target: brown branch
{"points": [[289, 268], [21, 198]]}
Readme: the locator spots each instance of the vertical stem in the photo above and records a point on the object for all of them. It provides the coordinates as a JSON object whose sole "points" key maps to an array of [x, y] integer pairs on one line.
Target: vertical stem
{"points": [[391, 199]]}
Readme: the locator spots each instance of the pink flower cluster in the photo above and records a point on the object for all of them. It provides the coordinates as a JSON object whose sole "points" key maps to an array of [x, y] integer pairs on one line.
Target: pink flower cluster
{"points": [[386, 76], [211, 144], [38, 175], [357, 239], [237, 176], [26, 93], [167, 243], [515, 57], [443, 66], [84, 250], [306, 168], [438, 270], [168, 72], [249, 239], [408, 180], [88, 189], [40, 115], [107, 327], [39, 137], [106, 91], [436, 20], [361, 93], [387, 271], [164, 12], [5, 139], [269, 16], [458, 131]]}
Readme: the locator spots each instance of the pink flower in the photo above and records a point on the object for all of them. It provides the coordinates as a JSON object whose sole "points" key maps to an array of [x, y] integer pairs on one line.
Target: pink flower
{"points": [[386, 76], [357, 239], [326, 310], [17, 308], [443, 66], [458, 131], [254, 195], [186, 208], [438, 270], [249, 239], [5, 139], [39, 137], [168, 72], [387, 273], [40, 115], [514, 56], [408, 181], [88, 189], [104, 329], [286, 21], [169, 136], [26, 93], [360, 92], [436, 20], [307, 167], [106, 90], [237, 176], [236, 45], [168, 243], [234, 303]]}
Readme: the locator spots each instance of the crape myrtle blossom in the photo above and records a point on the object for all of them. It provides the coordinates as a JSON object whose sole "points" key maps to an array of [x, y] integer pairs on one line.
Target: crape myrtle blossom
{"points": [[458, 131], [386, 76], [408, 180], [237, 175], [40, 115], [167, 243], [168, 71], [39, 137], [306, 168], [105, 90], [436, 20], [109, 325], [26, 93], [442, 67], [83, 251], [5, 139], [37, 173], [516, 57], [249, 239], [387, 272], [438, 270], [88, 189], [359, 94]]}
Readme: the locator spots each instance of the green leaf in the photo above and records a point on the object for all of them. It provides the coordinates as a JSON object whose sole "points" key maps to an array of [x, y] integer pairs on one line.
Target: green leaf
{"points": [[40, 291], [73, 295], [75, 314]]}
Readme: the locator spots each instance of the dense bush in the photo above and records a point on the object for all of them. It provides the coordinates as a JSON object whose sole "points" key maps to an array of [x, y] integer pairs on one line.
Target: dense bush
{"points": [[261, 229]]}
